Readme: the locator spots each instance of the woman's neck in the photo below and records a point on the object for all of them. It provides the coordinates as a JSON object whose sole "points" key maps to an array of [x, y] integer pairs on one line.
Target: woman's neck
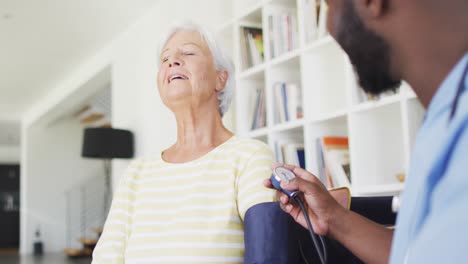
{"points": [[198, 132]]}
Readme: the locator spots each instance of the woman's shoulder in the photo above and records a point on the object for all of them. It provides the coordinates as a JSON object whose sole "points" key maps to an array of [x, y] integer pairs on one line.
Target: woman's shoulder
{"points": [[143, 163], [249, 145]]}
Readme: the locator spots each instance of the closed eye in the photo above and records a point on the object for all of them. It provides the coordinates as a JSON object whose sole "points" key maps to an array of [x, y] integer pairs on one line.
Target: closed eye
{"points": [[189, 53], [164, 59]]}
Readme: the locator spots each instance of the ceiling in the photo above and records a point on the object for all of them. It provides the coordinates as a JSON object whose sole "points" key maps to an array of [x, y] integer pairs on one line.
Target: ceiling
{"points": [[43, 41]]}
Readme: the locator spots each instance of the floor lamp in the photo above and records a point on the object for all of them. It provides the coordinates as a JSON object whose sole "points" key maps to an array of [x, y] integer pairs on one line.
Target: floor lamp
{"points": [[106, 144]]}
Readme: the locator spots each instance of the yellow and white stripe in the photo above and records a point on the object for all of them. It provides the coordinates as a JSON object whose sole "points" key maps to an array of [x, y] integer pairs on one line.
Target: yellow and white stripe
{"points": [[186, 213]]}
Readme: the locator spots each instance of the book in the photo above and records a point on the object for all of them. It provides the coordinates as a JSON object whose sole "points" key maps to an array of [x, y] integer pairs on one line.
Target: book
{"points": [[285, 101], [311, 10], [322, 175], [259, 111], [294, 101], [280, 114], [337, 162], [282, 30], [290, 151], [322, 11], [288, 102], [252, 47], [333, 161]]}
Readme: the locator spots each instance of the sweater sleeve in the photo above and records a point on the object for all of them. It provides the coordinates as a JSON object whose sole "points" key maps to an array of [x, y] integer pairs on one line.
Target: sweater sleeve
{"points": [[250, 180], [112, 244]]}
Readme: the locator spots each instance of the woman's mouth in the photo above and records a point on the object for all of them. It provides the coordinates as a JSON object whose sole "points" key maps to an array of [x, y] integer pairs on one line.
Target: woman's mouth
{"points": [[176, 76]]}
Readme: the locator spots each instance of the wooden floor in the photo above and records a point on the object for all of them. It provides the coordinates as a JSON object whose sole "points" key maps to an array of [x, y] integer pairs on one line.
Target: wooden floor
{"points": [[58, 258]]}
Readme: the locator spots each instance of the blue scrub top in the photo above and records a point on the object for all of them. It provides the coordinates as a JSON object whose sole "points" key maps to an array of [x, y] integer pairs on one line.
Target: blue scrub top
{"points": [[432, 223]]}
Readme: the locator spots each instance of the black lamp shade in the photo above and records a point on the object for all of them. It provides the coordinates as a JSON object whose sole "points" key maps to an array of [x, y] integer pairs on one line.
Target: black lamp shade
{"points": [[107, 143]]}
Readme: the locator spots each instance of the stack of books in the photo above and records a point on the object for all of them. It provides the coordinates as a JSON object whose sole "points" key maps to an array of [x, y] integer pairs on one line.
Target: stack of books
{"points": [[259, 113], [287, 102], [334, 162], [282, 30], [290, 152], [252, 47], [315, 18]]}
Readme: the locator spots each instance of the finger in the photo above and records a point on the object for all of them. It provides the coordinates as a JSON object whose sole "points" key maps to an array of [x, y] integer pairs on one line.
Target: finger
{"points": [[288, 166], [278, 196], [276, 165], [299, 172], [288, 208], [298, 184], [284, 199], [283, 207], [267, 183]]}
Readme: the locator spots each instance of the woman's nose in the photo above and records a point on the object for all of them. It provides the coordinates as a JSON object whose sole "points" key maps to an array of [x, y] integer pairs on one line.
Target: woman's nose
{"points": [[174, 61]]}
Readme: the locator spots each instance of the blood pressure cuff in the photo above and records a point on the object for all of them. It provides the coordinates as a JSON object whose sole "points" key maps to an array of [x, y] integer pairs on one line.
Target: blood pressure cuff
{"points": [[272, 237], [269, 235]]}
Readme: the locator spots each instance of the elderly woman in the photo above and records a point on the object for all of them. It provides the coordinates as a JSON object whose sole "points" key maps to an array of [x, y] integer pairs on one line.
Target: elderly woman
{"points": [[188, 205]]}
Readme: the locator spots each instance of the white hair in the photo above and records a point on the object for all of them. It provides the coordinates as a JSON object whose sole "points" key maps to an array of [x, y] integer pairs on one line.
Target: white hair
{"points": [[220, 58]]}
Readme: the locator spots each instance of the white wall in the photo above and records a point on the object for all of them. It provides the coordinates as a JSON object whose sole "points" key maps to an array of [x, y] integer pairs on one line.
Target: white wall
{"points": [[49, 157], [54, 166], [9, 154]]}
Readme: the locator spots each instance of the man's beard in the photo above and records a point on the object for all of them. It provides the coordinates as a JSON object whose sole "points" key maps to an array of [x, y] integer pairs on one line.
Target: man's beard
{"points": [[368, 52]]}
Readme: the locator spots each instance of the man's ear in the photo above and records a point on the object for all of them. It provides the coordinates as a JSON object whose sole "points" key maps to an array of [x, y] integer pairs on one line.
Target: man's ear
{"points": [[221, 80], [371, 8]]}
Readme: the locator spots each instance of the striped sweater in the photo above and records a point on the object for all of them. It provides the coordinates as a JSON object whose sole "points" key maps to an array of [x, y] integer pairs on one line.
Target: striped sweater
{"points": [[186, 212]]}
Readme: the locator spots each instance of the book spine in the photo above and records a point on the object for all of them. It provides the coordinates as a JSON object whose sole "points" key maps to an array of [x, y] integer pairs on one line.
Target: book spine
{"points": [[285, 101]]}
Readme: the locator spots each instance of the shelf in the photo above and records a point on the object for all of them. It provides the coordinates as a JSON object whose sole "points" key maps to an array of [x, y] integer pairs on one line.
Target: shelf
{"points": [[335, 127], [225, 26], [288, 125], [288, 3], [252, 72], [261, 132], [377, 145], [324, 78], [387, 100], [329, 116], [380, 132], [252, 14], [413, 113], [372, 190], [406, 91], [409, 94], [286, 57], [319, 43]]}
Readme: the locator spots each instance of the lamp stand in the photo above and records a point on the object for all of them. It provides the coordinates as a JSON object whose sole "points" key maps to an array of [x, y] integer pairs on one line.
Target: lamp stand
{"points": [[107, 187]]}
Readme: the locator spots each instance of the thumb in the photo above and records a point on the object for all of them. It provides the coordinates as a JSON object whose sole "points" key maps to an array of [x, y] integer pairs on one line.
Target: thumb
{"points": [[298, 184]]}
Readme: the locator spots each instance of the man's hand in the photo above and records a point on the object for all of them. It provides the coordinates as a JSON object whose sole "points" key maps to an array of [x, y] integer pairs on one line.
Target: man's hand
{"points": [[322, 208]]}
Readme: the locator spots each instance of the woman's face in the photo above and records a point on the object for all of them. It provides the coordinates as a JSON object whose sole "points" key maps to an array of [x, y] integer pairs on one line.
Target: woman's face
{"points": [[187, 76]]}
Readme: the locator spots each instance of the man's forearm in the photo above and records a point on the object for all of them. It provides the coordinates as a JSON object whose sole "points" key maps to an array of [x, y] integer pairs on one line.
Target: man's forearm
{"points": [[367, 240]]}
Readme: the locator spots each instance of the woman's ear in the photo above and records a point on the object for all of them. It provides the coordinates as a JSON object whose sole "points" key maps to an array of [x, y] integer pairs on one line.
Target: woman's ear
{"points": [[221, 80]]}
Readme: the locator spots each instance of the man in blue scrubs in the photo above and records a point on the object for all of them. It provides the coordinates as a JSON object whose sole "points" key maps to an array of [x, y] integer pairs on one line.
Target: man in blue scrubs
{"points": [[424, 42]]}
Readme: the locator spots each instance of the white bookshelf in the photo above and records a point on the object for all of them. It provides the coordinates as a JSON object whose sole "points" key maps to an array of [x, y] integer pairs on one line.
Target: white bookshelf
{"points": [[381, 132]]}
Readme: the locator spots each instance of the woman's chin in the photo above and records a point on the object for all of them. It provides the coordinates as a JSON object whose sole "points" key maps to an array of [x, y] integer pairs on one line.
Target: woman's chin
{"points": [[177, 100], [177, 92]]}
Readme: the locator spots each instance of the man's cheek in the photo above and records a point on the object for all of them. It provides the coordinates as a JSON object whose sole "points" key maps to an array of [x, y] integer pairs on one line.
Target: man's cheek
{"points": [[332, 22]]}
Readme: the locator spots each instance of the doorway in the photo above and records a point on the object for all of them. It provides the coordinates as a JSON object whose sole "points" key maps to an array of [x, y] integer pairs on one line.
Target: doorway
{"points": [[9, 207]]}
